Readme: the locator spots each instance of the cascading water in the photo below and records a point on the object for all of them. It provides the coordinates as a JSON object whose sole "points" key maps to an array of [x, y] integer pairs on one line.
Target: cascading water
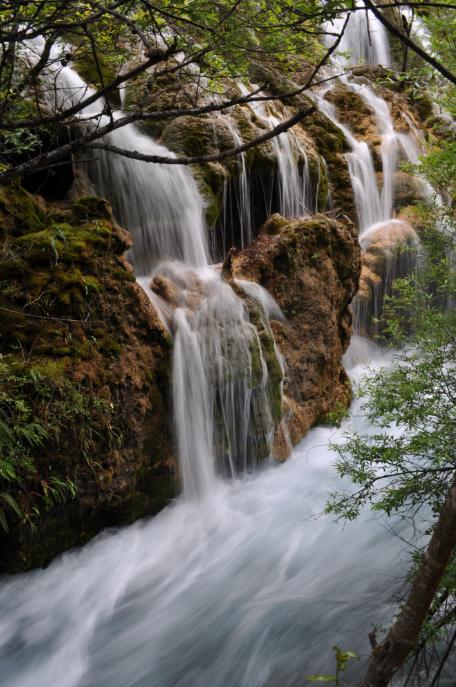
{"points": [[160, 205], [365, 41], [295, 187], [222, 394], [361, 169], [245, 587], [225, 405], [242, 215]]}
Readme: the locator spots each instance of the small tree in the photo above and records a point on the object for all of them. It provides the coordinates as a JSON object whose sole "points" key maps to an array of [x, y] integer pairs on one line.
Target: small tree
{"points": [[415, 466], [117, 42]]}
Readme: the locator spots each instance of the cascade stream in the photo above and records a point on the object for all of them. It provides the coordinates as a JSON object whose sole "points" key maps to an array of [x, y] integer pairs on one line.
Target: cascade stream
{"points": [[238, 583]]}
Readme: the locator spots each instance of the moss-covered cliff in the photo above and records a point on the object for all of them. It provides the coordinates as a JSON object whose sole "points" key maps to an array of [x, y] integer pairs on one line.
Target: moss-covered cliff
{"points": [[84, 372]]}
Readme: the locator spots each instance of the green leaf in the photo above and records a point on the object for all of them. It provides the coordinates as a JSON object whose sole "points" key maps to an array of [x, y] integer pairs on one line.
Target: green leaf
{"points": [[321, 678]]}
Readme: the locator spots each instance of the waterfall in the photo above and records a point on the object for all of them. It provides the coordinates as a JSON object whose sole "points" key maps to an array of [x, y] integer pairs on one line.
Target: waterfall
{"points": [[242, 199], [295, 187], [225, 409], [159, 204], [361, 169], [224, 402], [382, 237], [246, 586], [393, 145], [364, 41], [373, 205]]}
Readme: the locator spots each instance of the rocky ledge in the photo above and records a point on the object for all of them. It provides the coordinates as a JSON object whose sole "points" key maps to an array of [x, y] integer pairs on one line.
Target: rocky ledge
{"points": [[311, 268], [84, 372]]}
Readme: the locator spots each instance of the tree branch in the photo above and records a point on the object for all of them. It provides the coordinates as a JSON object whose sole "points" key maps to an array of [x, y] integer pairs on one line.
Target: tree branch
{"points": [[389, 656], [408, 41]]}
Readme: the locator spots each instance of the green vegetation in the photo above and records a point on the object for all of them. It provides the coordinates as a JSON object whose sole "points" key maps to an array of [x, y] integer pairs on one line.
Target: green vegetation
{"points": [[408, 463], [342, 659], [43, 413], [52, 265]]}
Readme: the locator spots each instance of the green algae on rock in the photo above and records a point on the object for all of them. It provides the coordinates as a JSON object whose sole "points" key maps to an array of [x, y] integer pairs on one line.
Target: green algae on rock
{"points": [[83, 347]]}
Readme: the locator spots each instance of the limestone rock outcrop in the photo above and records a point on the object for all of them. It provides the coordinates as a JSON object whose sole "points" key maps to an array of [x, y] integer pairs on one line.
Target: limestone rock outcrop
{"points": [[311, 268], [86, 360]]}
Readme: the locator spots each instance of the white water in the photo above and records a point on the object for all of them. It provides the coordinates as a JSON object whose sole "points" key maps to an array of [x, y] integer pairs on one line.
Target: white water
{"points": [[159, 204], [374, 195], [374, 202], [295, 195], [245, 588], [222, 398], [242, 193], [364, 41], [361, 169]]}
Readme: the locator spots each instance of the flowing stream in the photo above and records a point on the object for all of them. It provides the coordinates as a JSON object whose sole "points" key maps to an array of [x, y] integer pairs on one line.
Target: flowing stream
{"points": [[238, 583], [244, 587]]}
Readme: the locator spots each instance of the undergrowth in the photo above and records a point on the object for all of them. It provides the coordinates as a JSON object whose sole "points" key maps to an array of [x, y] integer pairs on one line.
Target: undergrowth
{"points": [[38, 405]]}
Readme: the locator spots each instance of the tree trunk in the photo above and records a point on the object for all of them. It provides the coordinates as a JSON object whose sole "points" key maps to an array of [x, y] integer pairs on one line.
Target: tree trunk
{"points": [[390, 655]]}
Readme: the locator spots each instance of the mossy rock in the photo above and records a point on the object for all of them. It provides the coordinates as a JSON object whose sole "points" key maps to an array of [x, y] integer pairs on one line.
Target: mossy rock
{"points": [[211, 178], [19, 210], [91, 207], [196, 136], [96, 72], [151, 93], [74, 319], [251, 127], [353, 111]]}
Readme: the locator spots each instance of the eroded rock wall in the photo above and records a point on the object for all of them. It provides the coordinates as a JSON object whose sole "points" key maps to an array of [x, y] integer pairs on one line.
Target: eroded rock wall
{"points": [[312, 269], [85, 353]]}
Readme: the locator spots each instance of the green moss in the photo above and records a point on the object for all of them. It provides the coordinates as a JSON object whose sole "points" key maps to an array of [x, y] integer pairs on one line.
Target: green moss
{"points": [[321, 179], [96, 75], [274, 224], [91, 207], [53, 370], [255, 361], [270, 356], [19, 209], [211, 178], [111, 346]]}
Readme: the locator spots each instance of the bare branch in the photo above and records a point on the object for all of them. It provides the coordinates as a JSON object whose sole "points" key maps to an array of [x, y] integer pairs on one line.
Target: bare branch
{"points": [[408, 41]]}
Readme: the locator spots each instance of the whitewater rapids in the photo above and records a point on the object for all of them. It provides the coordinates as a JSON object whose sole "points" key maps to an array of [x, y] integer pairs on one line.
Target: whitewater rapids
{"points": [[246, 588]]}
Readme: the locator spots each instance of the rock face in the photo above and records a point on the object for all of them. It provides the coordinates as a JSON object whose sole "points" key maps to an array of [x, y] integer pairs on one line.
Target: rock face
{"points": [[312, 269], [87, 358]]}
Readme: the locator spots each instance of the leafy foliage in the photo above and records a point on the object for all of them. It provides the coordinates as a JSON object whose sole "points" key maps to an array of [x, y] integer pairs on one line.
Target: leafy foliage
{"points": [[342, 659], [36, 409], [408, 460]]}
